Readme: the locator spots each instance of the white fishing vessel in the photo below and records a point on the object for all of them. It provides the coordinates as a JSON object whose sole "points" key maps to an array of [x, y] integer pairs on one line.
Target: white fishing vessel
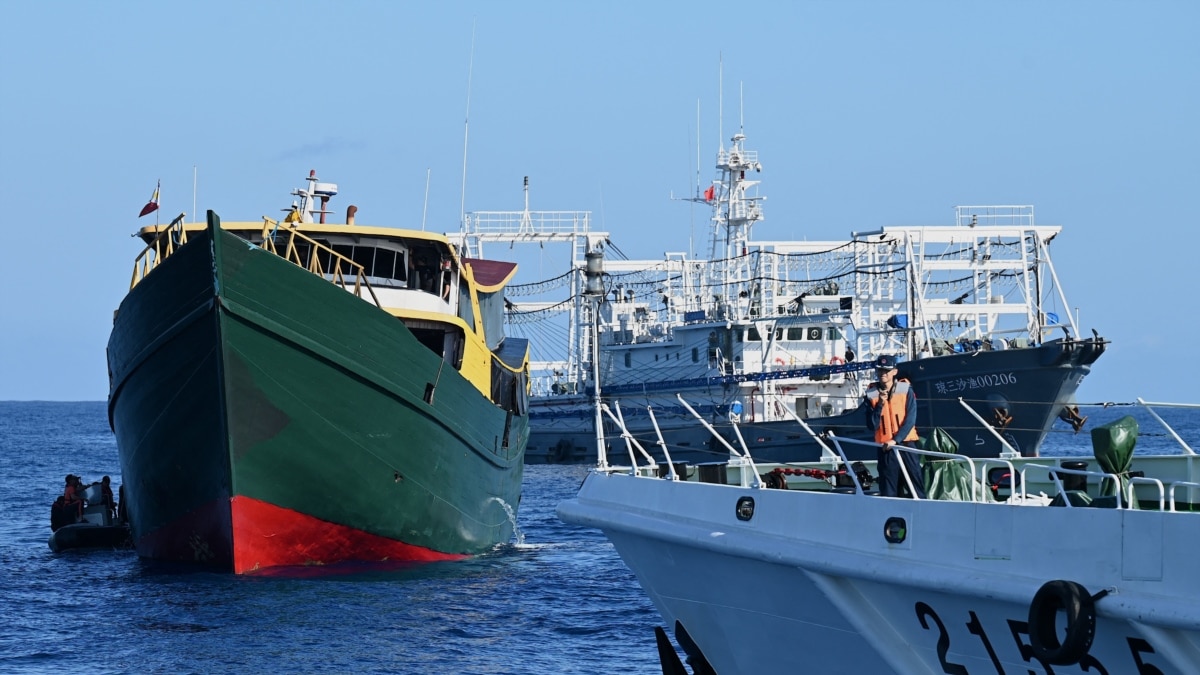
{"points": [[759, 331], [1066, 569]]}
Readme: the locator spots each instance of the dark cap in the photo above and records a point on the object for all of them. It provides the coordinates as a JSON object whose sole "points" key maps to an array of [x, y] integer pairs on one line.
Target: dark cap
{"points": [[885, 363]]}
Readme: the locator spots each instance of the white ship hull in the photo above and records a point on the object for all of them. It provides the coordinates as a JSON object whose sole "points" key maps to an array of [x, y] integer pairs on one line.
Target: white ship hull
{"points": [[811, 580]]}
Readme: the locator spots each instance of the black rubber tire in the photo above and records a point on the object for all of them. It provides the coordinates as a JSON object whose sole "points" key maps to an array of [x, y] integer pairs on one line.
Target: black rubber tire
{"points": [[1080, 609]]}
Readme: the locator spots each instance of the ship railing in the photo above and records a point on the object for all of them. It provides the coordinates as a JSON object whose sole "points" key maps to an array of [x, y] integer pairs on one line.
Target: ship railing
{"points": [[1018, 215], [981, 479], [1149, 406], [740, 458], [510, 223], [322, 261], [896, 450], [827, 453], [1054, 472], [632, 443], [166, 242], [1179, 483], [1126, 499]]}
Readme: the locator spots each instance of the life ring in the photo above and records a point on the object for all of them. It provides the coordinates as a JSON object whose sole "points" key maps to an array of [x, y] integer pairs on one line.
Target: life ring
{"points": [[780, 361], [836, 361], [1080, 609]]}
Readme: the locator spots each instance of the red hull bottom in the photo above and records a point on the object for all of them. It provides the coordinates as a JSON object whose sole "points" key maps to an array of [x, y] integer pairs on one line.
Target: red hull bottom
{"points": [[265, 535]]}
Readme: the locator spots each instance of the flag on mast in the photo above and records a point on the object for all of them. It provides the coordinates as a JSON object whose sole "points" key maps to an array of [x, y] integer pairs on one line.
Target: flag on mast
{"points": [[152, 205], [708, 194]]}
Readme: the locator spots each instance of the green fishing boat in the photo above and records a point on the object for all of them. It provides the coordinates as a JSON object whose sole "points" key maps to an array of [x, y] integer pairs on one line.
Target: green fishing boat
{"points": [[298, 392]]}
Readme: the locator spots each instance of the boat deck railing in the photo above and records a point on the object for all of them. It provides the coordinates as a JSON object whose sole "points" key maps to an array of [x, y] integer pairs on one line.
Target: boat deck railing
{"points": [[978, 469], [322, 261], [286, 243], [170, 238]]}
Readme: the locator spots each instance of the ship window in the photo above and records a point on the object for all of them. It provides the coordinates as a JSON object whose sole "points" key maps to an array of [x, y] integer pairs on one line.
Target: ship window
{"points": [[814, 333], [385, 264], [344, 250], [695, 355], [323, 258], [795, 333], [656, 358], [628, 360], [365, 256], [752, 335], [833, 333], [303, 250]]}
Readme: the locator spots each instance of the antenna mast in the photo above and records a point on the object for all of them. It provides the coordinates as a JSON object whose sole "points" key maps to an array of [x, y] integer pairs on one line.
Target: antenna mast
{"points": [[425, 209], [692, 227], [741, 108], [462, 208], [721, 102]]}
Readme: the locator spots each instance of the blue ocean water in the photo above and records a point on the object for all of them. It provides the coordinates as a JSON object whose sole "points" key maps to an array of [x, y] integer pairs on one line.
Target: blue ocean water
{"points": [[561, 601], [557, 600]]}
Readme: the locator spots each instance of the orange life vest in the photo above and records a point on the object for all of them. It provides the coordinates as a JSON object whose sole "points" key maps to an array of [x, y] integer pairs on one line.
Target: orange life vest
{"points": [[893, 413]]}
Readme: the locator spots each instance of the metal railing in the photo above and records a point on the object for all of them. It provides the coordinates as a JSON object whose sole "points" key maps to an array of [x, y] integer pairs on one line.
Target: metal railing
{"points": [[170, 238], [978, 467], [322, 261]]}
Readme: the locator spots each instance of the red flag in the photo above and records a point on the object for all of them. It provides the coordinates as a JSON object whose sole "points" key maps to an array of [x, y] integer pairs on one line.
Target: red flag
{"points": [[152, 205], [708, 194]]}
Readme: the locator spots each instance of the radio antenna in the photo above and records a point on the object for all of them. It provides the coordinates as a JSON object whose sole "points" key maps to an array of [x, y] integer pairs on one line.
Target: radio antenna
{"points": [[462, 209], [425, 210], [721, 102]]}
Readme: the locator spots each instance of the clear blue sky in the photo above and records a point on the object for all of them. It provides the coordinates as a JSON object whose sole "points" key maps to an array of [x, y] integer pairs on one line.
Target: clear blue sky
{"points": [[864, 114]]}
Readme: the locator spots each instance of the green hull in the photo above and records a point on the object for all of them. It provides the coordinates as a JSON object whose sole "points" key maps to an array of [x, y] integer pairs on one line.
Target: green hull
{"points": [[265, 416]]}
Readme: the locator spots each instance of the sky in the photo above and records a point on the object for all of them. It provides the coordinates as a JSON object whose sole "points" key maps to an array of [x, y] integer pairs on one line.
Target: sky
{"points": [[864, 114]]}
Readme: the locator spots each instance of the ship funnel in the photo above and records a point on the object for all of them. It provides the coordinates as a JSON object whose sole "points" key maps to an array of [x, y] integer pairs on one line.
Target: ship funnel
{"points": [[593, 273]]}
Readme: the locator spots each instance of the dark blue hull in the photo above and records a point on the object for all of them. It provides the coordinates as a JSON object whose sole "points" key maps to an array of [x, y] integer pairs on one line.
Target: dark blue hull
{"points": [[1018, 392]]}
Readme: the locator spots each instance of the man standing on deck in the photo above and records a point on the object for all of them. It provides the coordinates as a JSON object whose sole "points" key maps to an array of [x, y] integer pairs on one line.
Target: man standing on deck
{"points": [[892, 415]]}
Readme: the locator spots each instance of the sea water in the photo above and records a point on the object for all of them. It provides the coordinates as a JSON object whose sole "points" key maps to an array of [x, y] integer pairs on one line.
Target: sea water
{"points": [[559, 602], [556, 600]]}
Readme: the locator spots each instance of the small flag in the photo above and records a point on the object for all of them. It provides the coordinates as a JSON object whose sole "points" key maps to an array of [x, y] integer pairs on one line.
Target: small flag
{"points": [[152, 205], [708, 194]]}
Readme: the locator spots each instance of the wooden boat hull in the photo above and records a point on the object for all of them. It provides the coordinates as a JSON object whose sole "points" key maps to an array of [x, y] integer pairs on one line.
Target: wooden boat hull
{"points": [[266, 417]]}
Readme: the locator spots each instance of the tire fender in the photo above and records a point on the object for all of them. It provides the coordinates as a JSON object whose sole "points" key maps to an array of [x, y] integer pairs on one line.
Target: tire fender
{"points": [[1080, 609]]}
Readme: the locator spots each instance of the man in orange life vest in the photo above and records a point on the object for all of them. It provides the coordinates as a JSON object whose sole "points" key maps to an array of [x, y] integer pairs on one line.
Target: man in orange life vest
{"points": [[892, 415]]}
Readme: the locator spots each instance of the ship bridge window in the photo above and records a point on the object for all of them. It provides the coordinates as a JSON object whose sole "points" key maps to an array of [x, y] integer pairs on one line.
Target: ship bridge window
{"points": [[377, 262], [752, 335], [344, 250], [385, 265], [365, 256], [795, 333], [832, 333], [322, 256], [303, 251]]}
